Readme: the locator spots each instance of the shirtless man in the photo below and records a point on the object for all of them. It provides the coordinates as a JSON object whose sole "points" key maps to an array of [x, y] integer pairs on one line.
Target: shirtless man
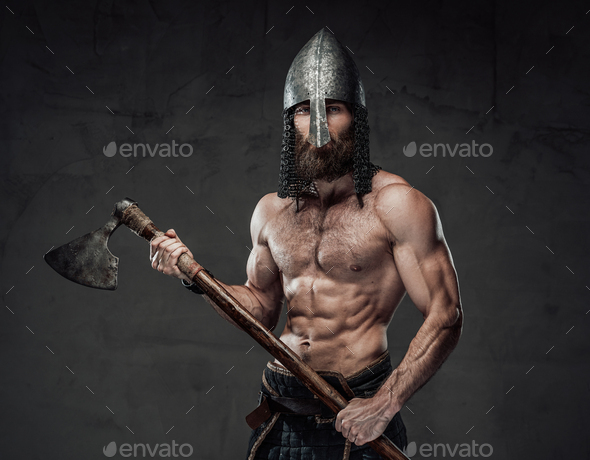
{"points": [[343, 270]]}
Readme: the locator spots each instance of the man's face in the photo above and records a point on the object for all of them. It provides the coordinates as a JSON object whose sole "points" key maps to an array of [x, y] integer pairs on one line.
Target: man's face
{"points": [[332, 160]]}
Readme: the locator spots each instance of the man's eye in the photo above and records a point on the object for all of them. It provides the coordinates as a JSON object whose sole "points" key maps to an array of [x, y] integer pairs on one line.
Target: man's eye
{"points": [[334, 107], [302, 109]]}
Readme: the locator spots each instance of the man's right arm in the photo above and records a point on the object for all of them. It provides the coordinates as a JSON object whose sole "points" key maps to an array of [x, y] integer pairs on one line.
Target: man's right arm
{"points": [[262, 294]]}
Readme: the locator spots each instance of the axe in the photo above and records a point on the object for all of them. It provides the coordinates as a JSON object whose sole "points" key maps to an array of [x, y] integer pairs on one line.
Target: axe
{"points": [[88, 261]]}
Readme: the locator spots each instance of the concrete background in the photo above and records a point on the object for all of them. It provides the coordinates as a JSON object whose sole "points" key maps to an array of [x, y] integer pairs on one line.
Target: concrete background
{"points": [[150, 356]]}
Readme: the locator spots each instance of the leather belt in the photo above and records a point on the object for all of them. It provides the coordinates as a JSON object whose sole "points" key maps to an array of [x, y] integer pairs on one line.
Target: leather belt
{"points": [[269, 404]]}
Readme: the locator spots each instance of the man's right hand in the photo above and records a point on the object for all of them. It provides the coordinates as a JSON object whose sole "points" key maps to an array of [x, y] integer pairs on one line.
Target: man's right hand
{"points": [[164, 253]]}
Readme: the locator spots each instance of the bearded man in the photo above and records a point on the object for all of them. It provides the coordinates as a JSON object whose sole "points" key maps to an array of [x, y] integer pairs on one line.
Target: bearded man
{"points": [[342, 242]]}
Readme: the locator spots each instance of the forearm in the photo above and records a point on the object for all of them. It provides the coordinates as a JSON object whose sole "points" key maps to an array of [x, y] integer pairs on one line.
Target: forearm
{"points": [[433, 343], [245, 297]]}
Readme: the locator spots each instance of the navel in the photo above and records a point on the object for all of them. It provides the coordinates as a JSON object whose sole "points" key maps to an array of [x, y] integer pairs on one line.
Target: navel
{"points": [[356, 268]]}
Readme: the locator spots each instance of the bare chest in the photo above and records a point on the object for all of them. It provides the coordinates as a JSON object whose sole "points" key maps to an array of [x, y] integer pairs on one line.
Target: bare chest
{"points": [[342, 242]]}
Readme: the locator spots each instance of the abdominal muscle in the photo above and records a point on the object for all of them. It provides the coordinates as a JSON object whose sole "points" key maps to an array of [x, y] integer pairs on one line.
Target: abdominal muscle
{"points": [[341, 332]]}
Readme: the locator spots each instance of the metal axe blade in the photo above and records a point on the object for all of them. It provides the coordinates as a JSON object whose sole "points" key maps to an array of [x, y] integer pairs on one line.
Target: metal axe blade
{"points": [[87, 260]]}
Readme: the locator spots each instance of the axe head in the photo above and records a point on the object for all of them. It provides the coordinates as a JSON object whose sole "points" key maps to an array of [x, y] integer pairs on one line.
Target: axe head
{"points": [[87, 260]]}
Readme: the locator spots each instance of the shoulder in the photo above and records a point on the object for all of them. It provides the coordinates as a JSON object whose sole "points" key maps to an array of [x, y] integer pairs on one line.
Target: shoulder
{"points": [[267, 208], [401, 207]]}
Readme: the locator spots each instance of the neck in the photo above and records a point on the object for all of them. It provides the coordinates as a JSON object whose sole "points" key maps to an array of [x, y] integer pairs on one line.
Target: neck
{"points": [[331, 193]]}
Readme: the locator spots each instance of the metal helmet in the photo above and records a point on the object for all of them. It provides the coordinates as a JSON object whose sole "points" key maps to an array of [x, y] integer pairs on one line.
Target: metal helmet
{"points": [[322, 69]]}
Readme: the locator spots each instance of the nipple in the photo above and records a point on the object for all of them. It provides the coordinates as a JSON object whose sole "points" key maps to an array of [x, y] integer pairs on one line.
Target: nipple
{"points": [[356, 268]]}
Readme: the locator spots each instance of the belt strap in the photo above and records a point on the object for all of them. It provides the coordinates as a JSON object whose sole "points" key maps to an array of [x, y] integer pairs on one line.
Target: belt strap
{"points": [[270, 404]]}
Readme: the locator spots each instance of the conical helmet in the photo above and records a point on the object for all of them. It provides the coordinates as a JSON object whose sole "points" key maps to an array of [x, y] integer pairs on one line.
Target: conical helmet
{"points": [[322, 69]]}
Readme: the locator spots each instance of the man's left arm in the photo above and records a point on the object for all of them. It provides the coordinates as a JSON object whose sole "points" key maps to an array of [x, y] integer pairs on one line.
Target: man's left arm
{"points": [[424, 263]]}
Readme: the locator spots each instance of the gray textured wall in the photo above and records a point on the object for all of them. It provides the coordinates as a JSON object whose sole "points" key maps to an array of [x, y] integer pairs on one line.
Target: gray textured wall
{"points": [[151, 351]]}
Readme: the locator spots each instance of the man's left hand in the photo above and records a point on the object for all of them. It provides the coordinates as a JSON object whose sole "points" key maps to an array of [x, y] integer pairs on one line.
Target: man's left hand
{"points": [[365, 419]]}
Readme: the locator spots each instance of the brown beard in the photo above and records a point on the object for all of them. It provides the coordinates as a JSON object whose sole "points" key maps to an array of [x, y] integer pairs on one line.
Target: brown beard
{"points": [[329, 162]]}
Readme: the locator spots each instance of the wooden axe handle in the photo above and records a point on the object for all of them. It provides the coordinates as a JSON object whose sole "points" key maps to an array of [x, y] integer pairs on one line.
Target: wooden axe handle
{"points": [[140, 224]]}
